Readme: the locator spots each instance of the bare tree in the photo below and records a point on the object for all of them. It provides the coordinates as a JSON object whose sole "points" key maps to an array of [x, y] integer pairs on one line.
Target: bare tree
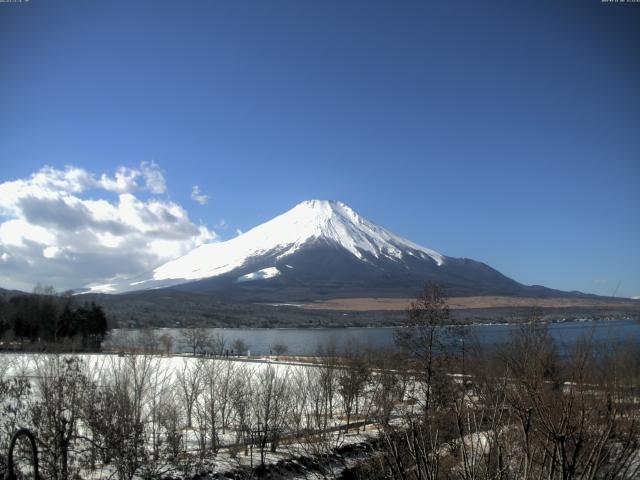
{"points": [[279, 349], [573, 415], [197, 339], [217, 343], [239, 346], [117, 417], [270, 407], [387, 385], [189, 381], [328, 375], [61, 385], [317, 413], [299, 382], [161, 401], [228, 371], [422, 339], [171, 422], [166, 341], [241, 398], [352, 378], [211, 405], [413, 449], [148, 340]]}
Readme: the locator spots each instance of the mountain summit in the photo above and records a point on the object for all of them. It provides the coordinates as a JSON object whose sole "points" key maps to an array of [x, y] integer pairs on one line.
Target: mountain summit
{"points": [[321, 249]]}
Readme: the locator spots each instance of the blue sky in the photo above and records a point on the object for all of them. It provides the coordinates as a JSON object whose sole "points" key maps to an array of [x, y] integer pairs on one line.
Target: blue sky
{"points": [[501, 131]]}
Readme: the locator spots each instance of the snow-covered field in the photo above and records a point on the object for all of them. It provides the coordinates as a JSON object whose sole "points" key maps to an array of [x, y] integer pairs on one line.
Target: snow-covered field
{"points": [[192, 412], [26, 364]]}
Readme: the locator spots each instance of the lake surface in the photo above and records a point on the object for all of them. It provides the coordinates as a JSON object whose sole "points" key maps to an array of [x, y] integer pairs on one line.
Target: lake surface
{"points": [[305, 341]]}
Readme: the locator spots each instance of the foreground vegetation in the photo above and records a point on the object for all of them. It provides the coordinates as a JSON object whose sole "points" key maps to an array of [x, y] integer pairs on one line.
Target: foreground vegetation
{"points": [[523, 411]]}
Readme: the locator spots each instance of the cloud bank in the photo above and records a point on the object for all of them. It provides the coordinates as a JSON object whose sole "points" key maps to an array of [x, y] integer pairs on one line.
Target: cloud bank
{"points": [[72, 228]]}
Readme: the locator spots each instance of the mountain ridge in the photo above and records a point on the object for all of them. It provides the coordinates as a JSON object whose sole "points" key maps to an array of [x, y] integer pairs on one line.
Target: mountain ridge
{"points": [[323, 249]]}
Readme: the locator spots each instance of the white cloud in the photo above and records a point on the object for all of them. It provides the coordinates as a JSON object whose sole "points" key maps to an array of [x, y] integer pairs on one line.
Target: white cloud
{"points": [[52, 252], [153, 177], [52, 233], [198, 196], [124, 180], [147, 177]]}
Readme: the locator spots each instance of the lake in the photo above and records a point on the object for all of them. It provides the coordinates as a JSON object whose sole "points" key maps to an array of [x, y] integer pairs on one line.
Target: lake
{"points": [[305, 341]]}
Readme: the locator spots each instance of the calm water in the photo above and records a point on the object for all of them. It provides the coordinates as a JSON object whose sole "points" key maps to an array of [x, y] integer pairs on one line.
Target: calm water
{"points": [[304, 341]]}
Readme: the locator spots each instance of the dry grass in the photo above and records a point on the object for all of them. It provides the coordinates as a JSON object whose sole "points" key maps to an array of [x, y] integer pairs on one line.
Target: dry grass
{"points": [[461, 303]]}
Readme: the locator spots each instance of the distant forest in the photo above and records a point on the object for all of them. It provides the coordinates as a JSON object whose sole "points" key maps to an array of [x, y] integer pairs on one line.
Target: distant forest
{"points": [[44, 319], [175, 308]]}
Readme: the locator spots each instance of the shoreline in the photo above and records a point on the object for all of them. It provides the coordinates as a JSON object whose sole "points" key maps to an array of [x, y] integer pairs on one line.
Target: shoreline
{"points": [[380, 327]]}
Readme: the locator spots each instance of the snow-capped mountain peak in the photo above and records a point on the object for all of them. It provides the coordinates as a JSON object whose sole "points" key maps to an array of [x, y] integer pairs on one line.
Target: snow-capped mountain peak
{"points": [[336, 221], [310, 222]]}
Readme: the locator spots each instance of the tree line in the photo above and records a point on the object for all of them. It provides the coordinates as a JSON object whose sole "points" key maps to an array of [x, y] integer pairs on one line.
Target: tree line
{"points": [[45, 320]]}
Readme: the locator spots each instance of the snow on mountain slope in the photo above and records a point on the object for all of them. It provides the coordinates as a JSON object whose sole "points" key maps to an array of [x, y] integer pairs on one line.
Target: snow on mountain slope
{"points": [[311, 221], [263, 274]]}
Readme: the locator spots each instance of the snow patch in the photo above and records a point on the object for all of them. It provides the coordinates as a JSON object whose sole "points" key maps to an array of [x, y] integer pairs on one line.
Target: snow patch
{"points": [[263, 274]]}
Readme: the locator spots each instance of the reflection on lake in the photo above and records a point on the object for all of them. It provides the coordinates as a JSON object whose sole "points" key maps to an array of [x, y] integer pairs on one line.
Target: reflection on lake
{"points": [[301, 341]]}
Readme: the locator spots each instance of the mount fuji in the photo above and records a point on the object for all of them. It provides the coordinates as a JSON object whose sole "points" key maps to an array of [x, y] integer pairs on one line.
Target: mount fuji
{"points": [[322, 249]]}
